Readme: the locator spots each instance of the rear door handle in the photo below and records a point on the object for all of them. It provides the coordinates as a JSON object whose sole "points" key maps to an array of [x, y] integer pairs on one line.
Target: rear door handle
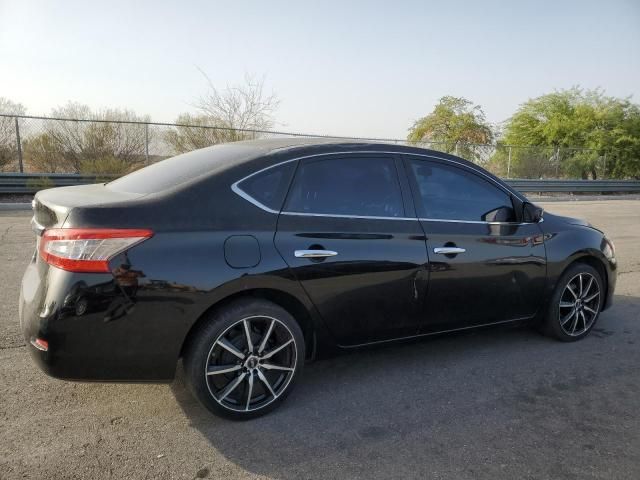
{"points": [[448, 250], [315, 253]]}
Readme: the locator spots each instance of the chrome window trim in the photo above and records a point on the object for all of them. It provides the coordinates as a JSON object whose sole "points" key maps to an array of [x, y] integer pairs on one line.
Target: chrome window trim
{"points": [[238, 191], [250, 199], [505, 187], [336, 215]]}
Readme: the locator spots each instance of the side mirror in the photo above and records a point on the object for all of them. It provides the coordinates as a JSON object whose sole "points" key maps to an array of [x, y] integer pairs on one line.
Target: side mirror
{"points": [[500, 214], [531, 213]]}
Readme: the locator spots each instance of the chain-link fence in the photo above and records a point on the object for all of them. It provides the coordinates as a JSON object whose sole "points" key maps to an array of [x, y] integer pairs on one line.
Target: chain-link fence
{"points": [[56, 145]]}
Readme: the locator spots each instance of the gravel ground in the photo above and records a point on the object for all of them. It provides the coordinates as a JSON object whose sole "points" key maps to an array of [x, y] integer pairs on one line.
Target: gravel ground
{"points": [[498, 403]]}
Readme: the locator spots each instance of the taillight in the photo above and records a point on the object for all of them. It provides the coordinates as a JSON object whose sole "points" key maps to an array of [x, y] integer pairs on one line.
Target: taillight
{"points": [[87, 249], [40, 344]]}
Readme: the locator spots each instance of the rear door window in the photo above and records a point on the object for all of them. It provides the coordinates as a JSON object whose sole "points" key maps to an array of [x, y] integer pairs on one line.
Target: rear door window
{"points": [[351, 186]]}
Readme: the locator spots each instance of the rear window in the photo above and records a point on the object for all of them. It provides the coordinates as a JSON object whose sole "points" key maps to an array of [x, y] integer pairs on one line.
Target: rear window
{"points": [[175, 171]]}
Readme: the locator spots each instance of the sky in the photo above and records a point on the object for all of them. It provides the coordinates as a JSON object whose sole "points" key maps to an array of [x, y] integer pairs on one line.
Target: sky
{"points": [[360, 68]]}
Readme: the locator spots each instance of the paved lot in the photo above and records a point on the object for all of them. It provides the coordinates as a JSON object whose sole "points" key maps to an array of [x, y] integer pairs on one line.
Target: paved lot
{"points": [[504, 403]]}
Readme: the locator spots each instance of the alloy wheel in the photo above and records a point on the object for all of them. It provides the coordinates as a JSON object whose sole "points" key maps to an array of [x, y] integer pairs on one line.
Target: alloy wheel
{"points": [[251, 363], [579, 304]]}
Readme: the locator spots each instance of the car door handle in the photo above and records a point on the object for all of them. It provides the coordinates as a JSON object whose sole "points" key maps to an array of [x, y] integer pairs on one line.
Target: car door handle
{"points": [[314, 253], [448, 250]]}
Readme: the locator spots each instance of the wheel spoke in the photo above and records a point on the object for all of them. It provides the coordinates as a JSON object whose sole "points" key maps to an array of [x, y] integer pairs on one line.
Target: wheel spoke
{"points": [[231, 386], [266, 382], [247, 333], [270, 366], [580, 282], [584, 320], [271, 353], [570, 288], [566, 319], [230, 348], [575, 323], [586, 290], [219, 369], [250, 391], [567, 304], [589, 309], [263, 343], [590, 298]]}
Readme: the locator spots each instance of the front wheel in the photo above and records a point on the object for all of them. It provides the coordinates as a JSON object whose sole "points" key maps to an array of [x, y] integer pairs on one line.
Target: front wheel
{"points": [[243, 362], [576, 303]]}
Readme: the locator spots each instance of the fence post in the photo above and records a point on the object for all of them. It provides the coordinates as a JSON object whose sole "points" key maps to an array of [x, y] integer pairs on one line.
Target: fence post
{"points": [[146, 142], [509, 164], [19, 144]]}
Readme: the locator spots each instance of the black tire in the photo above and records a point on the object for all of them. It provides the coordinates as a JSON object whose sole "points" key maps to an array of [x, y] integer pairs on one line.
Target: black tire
{"points": [[269, 386], [567, 323]]}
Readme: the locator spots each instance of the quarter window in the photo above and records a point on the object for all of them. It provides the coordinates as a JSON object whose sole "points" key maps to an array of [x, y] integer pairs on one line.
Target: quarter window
{"points": [[452, 193], [362, 186], [269, 186]]}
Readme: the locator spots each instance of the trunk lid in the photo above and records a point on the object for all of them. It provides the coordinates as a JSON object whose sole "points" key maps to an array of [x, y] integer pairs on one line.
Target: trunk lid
{"points": [[52, 207]]}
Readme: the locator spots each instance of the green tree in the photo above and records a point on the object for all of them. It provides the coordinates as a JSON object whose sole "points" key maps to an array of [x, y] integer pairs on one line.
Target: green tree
{"points": [[456, 125], [585, 133]]}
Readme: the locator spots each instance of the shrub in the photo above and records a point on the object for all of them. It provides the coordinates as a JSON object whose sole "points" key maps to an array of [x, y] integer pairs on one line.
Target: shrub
{"points": [[105, 167]]}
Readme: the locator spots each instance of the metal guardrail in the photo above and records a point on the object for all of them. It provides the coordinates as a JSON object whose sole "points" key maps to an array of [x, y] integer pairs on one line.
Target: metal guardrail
{"points": [[576, 186], [27, 183]]}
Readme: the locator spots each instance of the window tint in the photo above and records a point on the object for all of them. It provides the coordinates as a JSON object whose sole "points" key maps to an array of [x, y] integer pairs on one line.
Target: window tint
{"points": [[269, 187], [452, 193], [347, 186]]}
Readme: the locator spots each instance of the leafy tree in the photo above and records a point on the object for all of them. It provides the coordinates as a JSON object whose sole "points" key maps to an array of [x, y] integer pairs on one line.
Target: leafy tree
{"points": [[588, 134], [8, 146], [456, 125], [526, 162]]}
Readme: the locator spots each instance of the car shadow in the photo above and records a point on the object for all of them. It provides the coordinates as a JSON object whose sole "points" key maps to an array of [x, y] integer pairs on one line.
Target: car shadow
{"points": [[468, 404]]}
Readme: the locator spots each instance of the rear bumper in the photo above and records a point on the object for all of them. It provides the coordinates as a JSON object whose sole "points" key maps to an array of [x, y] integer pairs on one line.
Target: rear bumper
{"points": [[93, 331]]}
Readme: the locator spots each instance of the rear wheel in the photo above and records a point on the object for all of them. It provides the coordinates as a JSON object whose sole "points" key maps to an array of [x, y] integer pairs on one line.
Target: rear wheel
{"points": [[244, 361], [576, 303]]}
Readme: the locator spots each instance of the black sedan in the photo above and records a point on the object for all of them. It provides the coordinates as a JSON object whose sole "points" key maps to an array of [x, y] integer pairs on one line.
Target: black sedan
{"points": [[247, 259]]}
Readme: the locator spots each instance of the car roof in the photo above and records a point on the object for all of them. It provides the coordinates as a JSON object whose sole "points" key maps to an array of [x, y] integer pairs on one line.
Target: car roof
{"points": [[265, 146], [261, 150], [255, 155]]}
